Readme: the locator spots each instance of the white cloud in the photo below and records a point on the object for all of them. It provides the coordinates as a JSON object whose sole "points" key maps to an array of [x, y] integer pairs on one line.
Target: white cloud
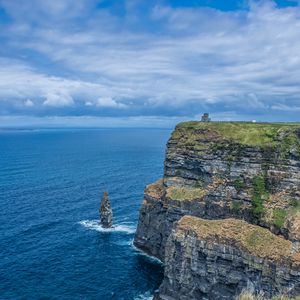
{"points": [[242, 60], [286, 108], [109, 102], [28, 103], [19, 82], [58, 99]]}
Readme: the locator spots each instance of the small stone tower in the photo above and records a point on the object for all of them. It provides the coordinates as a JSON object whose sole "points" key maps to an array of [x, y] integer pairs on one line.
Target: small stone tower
{"points": [[105, 212], [205, 118]]}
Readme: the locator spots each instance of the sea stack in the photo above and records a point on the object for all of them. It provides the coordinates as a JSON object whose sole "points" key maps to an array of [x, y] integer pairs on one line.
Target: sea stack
{"points": [[105, 211]]}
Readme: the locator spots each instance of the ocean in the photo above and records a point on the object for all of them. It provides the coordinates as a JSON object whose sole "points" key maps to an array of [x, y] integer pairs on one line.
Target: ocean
{"points": [[51, 244]]}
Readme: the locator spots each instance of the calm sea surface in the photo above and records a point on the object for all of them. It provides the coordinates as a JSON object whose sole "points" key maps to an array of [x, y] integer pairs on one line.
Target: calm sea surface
{"points": [[51, 246]]}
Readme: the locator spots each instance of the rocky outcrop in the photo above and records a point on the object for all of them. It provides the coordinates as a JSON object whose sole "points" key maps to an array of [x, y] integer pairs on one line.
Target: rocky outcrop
{"points": [[222, 170], [219, 259], [158, 213], [217, 171], [105, 212]]}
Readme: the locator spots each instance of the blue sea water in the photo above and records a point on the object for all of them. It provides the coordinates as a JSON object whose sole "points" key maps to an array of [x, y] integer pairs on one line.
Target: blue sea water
{"points": [[51, 246]]}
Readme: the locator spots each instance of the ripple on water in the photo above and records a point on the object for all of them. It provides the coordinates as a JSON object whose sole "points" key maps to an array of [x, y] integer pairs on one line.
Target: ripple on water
{"points": [[51, 180]]}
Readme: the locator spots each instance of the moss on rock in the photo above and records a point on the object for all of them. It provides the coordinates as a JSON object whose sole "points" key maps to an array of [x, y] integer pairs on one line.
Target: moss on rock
{"points": [[252, 239], [182, 193]]}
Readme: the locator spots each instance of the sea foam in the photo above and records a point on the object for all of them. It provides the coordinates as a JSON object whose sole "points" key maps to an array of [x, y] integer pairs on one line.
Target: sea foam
{"points": [[153, 259], [146, 296], [94, 225]]}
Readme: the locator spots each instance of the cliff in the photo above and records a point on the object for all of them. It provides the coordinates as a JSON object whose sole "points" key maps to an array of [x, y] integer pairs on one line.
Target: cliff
{"points": [[219, 259], [216, 171]]}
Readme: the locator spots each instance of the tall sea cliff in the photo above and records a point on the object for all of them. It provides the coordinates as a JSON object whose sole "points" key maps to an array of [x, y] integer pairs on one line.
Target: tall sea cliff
{"points": [[226, 215]]}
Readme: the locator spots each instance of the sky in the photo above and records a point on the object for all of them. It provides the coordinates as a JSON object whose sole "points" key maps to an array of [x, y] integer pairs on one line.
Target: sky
{"points": [[153, 63]]}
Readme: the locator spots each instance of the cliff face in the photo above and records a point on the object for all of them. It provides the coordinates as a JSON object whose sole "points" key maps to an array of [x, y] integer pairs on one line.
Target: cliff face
{"points": [[222, 170], [216, 171], [219, 259]]}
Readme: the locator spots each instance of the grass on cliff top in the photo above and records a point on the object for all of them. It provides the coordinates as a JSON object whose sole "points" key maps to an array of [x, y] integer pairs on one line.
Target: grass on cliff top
{"points": [[182, 194], [243, 132], [255, 240], [156, 189]]}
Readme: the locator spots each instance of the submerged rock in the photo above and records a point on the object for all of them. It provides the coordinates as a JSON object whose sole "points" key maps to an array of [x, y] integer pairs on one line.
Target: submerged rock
{"points": [[106, 212]]}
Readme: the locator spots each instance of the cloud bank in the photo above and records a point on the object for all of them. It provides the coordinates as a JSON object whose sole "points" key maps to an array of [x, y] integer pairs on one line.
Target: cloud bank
{"points": [[124, 59]]}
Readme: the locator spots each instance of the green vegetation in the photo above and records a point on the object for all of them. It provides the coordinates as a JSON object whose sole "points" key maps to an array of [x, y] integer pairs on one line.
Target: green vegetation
{"points": [[291, 140], [295, 206], [180, 193], [253, 239], [279, 217], [238, 184], [295, 203], [242, 132], [217, 146], [199, 184], [259, 195], [236, 206]]}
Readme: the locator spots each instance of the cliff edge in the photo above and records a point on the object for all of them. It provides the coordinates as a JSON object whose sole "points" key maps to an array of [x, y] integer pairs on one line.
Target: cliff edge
{"points": [[220, 171]]}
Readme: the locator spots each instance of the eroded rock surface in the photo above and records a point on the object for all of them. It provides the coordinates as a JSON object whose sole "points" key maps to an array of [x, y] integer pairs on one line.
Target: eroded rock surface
{"points": [[217, 171], [213, 175], [105, 212], [218, 259]]}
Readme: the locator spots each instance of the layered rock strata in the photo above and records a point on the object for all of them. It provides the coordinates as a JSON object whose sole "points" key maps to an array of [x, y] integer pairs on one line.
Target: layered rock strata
{"points": [[105, 211], [217, 171], [219, 259], [241, 170]]}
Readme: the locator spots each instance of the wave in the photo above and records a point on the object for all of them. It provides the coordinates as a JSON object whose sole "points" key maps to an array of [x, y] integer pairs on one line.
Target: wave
{"points": [[153, 259], [124, 242], [146, 296], [94, 225]]}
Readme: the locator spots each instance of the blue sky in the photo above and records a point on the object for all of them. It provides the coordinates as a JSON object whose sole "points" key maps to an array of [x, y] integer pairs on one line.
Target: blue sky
{"points": [[148, 63]]}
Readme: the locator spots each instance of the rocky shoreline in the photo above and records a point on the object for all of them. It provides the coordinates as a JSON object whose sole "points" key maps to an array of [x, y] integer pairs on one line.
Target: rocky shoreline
{"points": [[216, 172]]}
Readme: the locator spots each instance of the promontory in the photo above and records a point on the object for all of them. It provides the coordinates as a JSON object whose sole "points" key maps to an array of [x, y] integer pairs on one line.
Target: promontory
{"points": [[225, 217]]}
